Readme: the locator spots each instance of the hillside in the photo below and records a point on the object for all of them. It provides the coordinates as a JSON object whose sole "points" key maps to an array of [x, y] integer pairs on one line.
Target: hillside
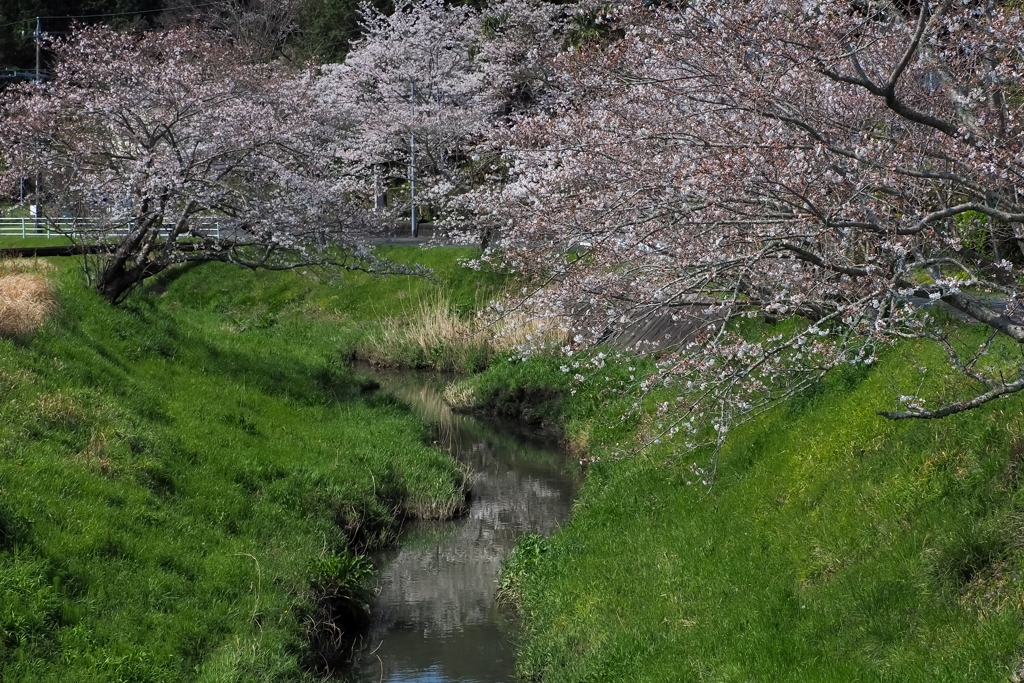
{"points": [[187, 481], [833, 545]]}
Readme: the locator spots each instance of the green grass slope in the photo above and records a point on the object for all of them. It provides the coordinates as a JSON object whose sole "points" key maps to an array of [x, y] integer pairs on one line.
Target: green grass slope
{"points": [[834, 546], [183, 479]]}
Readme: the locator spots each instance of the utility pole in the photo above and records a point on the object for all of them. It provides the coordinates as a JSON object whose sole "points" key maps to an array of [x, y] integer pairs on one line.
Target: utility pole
{"points": [[38, 31], [412, 159], [36, 192], [379, 203]]}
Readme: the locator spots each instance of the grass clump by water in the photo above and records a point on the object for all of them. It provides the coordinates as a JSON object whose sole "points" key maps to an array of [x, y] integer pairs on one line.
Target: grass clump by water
{"points": [[440, 322], [543, 392], [431, 334], [187, 481], [434, 334], [833, 546]]}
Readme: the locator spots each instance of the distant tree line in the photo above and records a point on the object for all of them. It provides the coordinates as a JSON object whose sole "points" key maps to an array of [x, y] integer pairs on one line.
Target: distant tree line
{"points": [[299, 29], [153, 139], [321, 30], [18, 22]]}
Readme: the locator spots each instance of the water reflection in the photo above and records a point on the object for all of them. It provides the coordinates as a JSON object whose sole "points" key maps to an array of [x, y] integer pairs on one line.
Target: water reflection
{"points": [[435, 619]]}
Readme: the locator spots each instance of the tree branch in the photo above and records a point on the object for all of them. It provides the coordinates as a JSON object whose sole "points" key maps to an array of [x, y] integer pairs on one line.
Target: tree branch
{"points": [[960, 406]]}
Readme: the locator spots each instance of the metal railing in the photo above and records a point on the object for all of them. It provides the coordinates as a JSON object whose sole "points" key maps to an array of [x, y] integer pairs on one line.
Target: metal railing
{"points": [[81, 227]]}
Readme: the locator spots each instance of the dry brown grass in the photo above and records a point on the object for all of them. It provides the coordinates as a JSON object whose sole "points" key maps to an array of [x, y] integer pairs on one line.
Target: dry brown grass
{"points": [[10, 380], [434, 334], [14, 266], [26, 302], [433, 325], [518, 330], [459, 395], [96, 455], [431, 334]]}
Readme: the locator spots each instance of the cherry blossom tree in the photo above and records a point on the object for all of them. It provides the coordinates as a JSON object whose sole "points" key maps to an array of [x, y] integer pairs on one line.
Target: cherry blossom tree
{"points": [[843, 162], [411, 83], [173, 147], [517, 42], [427, 83]]}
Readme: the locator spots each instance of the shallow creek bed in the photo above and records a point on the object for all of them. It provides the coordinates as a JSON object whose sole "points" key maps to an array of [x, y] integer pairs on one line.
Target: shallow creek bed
{"points": [[435, 617]]}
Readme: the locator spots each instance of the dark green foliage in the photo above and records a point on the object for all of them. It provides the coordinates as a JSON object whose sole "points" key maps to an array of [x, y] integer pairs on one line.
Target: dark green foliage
{"points": [[592, 26], [18, 22], [540, 392], [342, 606], [534, 406], [13, 527], [328, 27]]}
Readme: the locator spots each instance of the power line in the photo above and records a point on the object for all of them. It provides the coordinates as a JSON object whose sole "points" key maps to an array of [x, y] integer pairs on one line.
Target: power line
{"points": [[111, 15]]}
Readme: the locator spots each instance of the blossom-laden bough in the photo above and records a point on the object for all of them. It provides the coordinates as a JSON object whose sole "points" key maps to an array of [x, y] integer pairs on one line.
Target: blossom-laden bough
{"points": [[832, 165]]}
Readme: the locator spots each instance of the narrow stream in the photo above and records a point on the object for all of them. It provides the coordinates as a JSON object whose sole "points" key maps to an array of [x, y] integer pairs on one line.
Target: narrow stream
{"points": [[435, 619]]}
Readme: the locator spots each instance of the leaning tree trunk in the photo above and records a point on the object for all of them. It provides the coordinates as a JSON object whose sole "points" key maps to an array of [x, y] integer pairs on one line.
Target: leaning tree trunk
{"points": [[115, 282]]}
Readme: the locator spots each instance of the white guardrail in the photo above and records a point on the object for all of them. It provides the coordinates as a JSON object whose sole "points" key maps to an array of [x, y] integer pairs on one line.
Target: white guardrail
{"points": [[78, 227]]}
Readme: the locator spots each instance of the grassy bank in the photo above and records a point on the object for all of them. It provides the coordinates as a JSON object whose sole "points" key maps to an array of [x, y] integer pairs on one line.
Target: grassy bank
{"points": [[541, 393], [186, 481], [834, 545]]}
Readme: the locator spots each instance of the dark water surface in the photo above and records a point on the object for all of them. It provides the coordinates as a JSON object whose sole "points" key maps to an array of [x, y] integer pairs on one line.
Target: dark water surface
{"points": [[435, 619]]}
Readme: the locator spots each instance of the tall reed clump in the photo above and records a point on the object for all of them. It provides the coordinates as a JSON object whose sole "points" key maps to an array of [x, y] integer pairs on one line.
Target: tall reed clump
{"points": [[434, 335], [26, 297], [431, 334]]}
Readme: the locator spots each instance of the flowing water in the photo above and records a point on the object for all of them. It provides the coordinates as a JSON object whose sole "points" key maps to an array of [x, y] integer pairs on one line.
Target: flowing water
{"points": [[435, 619]]}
